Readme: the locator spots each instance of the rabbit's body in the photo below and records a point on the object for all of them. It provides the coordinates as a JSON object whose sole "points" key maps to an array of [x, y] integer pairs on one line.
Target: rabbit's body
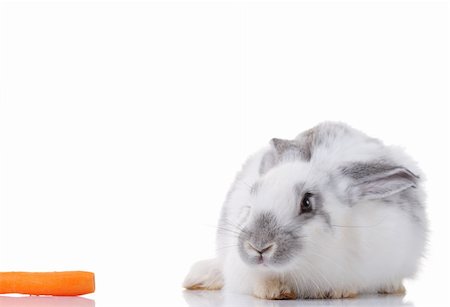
{"points": [[332, 213]]}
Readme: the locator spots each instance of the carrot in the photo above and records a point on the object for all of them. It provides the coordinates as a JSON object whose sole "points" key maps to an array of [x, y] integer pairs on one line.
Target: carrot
{"points": [[68, 283]]}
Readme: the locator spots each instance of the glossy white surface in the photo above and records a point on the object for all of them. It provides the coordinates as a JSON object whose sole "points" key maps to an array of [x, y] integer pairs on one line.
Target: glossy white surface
{"points": [[208, 299], [221, 299]]}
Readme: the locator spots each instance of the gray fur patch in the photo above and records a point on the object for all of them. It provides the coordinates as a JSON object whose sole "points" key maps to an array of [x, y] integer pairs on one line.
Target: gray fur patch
{"points": [[317, 203], [282, 146], [365, 170], [384, 181], [377, 180], [361, 170], [263, 231], [307, 141], [283, 150], [292, 148]]}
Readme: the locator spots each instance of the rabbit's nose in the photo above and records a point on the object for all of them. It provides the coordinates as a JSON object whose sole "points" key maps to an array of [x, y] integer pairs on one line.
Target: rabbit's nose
{"points": [[265, 250]]}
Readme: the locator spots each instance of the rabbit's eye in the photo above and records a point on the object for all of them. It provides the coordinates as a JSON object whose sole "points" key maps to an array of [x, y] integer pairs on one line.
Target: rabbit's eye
{"points": [[306, 205]]}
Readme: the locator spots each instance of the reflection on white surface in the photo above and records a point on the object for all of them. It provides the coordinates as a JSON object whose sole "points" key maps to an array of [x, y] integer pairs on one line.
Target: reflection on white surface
{"points": [[45, 301], [221, 299]]}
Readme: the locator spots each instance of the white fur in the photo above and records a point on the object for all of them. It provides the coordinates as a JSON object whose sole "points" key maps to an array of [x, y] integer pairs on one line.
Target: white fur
{"points": [[371, 247], [205, 274]]}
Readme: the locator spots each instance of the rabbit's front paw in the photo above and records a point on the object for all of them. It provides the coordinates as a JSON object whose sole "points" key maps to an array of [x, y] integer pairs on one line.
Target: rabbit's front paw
{"points": [[396, 288], [204, 275], [274, 289], [342, 294]]}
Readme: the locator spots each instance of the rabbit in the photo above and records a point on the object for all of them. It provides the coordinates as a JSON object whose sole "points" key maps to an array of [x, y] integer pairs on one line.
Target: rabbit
{"points": [[332, 213]]}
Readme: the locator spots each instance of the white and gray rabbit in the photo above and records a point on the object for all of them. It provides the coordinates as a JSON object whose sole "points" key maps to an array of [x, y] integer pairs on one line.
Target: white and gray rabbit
{"points": [[330, 214]]}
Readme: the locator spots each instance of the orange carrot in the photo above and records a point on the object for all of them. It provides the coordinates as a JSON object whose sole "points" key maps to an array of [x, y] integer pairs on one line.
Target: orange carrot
{"points": [[68, 283]]}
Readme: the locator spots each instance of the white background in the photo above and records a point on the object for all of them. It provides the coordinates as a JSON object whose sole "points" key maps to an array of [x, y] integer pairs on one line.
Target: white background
{"points": [[122, 126]]}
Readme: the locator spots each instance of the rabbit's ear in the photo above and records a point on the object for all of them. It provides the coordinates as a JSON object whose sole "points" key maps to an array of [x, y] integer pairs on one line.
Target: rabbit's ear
{"points": [[281, 146], [299, 148], [376, 180], [284, 149]]}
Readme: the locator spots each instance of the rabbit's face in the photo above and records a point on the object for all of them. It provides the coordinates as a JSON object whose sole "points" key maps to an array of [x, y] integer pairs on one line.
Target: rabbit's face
{"points": [[287, 211]]}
